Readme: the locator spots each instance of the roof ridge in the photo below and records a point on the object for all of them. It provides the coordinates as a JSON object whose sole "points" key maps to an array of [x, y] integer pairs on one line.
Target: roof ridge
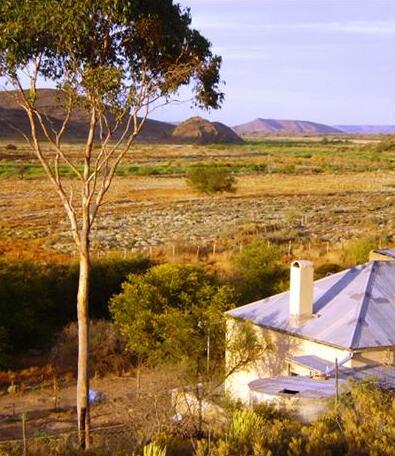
{"points": [[361, 311]]}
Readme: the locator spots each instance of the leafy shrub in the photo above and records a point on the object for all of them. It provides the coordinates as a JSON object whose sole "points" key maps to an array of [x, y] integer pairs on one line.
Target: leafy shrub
{"points": [[326, 269], [362, 424], [303, 155], [211, 179], [357, 252], [11, 147], [152, 449], [258, 271], [386, 145], [289, 169], [167, 313], [37, 300]]}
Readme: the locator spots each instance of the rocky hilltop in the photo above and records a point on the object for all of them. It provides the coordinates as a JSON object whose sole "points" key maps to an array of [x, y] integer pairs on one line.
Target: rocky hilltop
{"points": [[201, 131]]}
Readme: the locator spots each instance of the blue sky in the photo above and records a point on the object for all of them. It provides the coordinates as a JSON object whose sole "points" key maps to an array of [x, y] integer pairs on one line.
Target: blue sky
{"points": [[331, 61]]}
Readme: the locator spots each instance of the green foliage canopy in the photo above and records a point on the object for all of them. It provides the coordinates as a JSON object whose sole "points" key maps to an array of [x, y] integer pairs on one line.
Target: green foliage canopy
{"points": [[259, 272], [167, 314], [357, 251], [36, 300], [107, 50], [211, 179]]}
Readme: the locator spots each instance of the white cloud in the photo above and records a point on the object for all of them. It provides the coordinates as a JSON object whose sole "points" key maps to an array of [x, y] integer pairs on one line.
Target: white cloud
{"points": [[363, 27], [381, 27]]}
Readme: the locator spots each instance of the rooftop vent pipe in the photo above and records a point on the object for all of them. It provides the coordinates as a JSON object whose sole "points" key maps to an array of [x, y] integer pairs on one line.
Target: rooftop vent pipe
{"points": [[301, 291]]}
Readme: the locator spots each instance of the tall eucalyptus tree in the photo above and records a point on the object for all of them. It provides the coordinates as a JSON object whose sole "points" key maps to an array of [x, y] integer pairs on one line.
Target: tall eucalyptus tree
{"points": [[115, 60]]}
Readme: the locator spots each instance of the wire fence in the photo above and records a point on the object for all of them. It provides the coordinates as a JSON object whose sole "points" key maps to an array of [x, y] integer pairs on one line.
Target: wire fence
{"points": [[215, 248], [109, 438]]}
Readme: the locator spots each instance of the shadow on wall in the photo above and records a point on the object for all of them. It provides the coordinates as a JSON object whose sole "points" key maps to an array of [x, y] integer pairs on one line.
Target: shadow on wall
{"points": [[274, 362]]}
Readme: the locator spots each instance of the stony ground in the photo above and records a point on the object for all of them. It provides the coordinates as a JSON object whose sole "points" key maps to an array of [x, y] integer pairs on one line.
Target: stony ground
{"points": [[151, 211]]}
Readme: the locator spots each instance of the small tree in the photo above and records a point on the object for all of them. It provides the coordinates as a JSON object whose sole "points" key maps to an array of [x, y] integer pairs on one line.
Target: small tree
{"points": [[168, 314], [176, 315], [115, 60], [211, 179], [259, 272]]}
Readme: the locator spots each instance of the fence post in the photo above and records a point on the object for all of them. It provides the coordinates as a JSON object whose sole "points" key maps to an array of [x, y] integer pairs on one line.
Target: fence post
{"points": [[23, 418], [55, 387]]}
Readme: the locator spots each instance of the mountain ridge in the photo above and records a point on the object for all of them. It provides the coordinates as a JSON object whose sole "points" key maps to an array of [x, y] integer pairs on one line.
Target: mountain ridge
{"points": [[49, 102], [262, 126], [367, 129]]}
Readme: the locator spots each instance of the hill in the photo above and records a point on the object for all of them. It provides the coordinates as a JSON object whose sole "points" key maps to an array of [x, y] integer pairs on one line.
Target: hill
{"points": [[367, 129], [49, 102], [261, 127], [201, 131]]}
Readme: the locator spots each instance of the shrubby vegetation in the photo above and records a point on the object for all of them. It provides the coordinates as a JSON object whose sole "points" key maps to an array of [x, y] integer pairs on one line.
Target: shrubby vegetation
{"points": [[259, 271], [37, 300], [211, 179], [361, 424], [167, 315], [357, 252], [386, 145], [106, 349]]}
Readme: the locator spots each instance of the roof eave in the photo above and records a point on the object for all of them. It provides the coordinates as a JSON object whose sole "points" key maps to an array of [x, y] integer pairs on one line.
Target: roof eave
{"points": [[312, 339]]}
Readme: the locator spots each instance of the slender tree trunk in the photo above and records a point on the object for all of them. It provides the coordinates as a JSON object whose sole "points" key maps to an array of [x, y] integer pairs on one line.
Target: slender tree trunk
{"points": [[83, 344]]}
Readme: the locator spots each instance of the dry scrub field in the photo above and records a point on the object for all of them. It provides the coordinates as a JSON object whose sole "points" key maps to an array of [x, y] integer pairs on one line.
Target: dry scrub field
{"points": [[351, 195]]}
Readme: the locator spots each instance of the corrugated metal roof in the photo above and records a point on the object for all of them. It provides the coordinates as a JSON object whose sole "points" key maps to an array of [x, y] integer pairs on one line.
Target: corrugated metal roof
{"points": [[312, 362], [352, 309], [298, 386], [302, 386]]}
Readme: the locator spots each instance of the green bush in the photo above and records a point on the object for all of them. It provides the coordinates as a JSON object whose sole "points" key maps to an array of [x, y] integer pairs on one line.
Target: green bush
{"points": [[167, 314], [357, 252], [362, 424], [37, 300], [386, 145], [258, 271], [11, 147], [211, 179]]}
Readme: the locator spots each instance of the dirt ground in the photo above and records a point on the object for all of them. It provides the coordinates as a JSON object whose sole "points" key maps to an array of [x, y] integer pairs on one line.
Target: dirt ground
{"points": [[39, 407]]}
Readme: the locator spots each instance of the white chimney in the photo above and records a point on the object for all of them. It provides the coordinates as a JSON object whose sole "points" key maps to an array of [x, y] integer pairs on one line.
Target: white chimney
{"points": [[301, 291]]}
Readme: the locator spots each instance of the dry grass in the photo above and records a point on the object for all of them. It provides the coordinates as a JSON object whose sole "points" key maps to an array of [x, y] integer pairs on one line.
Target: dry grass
{"points": [[31, 214]]}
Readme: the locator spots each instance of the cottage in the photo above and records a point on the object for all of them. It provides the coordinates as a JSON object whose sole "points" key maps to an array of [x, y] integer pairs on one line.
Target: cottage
{"points": [[322, 332]]}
